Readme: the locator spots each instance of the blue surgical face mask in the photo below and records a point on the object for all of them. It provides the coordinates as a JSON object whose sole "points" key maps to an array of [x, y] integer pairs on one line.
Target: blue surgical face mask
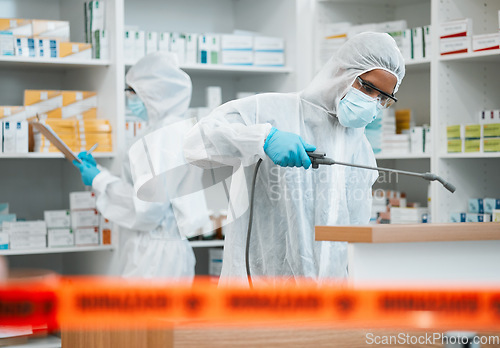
{"points": [[135, 104], [357, 109]]}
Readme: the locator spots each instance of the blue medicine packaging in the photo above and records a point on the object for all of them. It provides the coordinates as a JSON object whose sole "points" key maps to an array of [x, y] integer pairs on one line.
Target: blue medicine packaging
{"points": [[458, 217], [476, 206], [491, 204], [7, 218]]}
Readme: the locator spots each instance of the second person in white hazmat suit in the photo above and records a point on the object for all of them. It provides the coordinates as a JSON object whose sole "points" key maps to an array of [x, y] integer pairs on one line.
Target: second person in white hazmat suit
{"points": [[151, 246], [348, 93]]}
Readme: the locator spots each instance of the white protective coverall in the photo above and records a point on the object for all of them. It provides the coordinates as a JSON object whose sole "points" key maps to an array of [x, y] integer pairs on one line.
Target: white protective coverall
{"points": [[151, 245], [289, 202]]}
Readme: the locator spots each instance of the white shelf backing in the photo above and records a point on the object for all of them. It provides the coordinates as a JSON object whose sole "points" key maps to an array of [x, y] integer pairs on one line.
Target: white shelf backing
{"points": [[206, 243], [54, 155], [484, 13], [43, 342], [473, 178], [57, 250], [44, 63]]}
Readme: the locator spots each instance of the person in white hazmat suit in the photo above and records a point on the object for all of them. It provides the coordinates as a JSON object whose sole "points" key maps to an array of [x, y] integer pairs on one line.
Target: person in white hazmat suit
{"points": [[330, 113], [151, 246]]}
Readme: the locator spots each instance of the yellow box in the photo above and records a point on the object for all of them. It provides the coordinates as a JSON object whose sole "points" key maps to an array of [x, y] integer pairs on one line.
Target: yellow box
{"points": [[18, 27], [75, 50], [50, 29], [454, 145], [454, 132], [491, 130], [44, 103], [473, 131], [491, 144], [79, 104], [89, 127], [472, 145]]}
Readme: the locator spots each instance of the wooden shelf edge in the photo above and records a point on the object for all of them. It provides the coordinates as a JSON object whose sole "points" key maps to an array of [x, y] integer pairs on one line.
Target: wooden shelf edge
{"points": [[410, 233]]}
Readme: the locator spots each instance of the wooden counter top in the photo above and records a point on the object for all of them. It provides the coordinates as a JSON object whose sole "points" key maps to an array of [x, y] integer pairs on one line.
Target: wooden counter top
{"points": [[385, 233]]}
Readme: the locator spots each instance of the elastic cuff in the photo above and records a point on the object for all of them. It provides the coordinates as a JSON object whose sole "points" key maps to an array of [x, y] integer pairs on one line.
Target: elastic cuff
{"points": [[269, 136], [102, 180]]}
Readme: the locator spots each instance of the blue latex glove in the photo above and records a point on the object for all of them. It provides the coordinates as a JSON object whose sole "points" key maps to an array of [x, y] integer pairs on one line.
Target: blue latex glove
{"points": [[287, 149], [89, 158], [88, 168]]}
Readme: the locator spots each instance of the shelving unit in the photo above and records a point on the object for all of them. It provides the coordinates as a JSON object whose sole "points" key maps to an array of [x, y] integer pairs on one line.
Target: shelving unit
{"points": [[441, 90], [74, 249], [52, 155], [49, 63], [51, 181]]}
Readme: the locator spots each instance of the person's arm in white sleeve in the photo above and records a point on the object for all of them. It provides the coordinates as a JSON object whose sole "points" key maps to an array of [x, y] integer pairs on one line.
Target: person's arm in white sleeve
{"points": [[117, 202], [359, 184], [230, 132]]}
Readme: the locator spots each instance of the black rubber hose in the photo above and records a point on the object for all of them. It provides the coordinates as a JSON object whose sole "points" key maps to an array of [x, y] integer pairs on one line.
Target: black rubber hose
{"points": [[249, 232]]}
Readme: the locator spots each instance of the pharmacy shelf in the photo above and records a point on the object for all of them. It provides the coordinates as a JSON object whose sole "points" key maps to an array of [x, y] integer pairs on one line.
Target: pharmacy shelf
{"points": [[402, 156], [43, 342], [471, 155], [230, 69], [57, 250], [51, 155], [475, 57], [206, 243], [52, 62]]}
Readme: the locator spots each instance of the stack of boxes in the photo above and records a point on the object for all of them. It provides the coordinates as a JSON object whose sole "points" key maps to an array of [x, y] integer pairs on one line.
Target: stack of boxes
{"points": [[236, 50], [479, 210], [393, 133], [71, 114], [457, 37], [95, 33], [227, 49], [84, 218], [5, 217], [490, 123], [82, 225], [38, 38], [476, 138], [26, 234], [392, 141], [15, 136], [414, 44], [59, 232], [392, 207]]}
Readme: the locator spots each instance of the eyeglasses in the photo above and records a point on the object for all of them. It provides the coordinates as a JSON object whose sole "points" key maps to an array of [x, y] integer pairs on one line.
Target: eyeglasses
{"points": [[385, 100]]}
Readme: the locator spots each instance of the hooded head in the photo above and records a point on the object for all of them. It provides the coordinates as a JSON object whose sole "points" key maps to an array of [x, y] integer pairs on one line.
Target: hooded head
{"points": [[360, 54], [162, 86]]}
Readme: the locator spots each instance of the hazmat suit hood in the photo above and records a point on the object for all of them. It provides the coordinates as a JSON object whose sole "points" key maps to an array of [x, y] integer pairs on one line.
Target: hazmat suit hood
{"points": [[360, 54], [164, 89]]}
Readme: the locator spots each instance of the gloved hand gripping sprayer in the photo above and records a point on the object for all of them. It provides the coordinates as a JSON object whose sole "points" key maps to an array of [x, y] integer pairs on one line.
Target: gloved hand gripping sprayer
{"points": [[319, 158]]}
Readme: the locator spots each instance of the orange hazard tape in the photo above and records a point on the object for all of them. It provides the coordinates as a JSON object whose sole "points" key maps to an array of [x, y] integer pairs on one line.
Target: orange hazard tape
{"points": [[119, 303]]}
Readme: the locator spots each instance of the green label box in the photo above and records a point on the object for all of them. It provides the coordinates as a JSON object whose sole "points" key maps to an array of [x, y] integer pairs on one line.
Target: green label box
{"points": [[491, 144], [472, 145], [454, 145], [473, 131], [491, 130]]}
